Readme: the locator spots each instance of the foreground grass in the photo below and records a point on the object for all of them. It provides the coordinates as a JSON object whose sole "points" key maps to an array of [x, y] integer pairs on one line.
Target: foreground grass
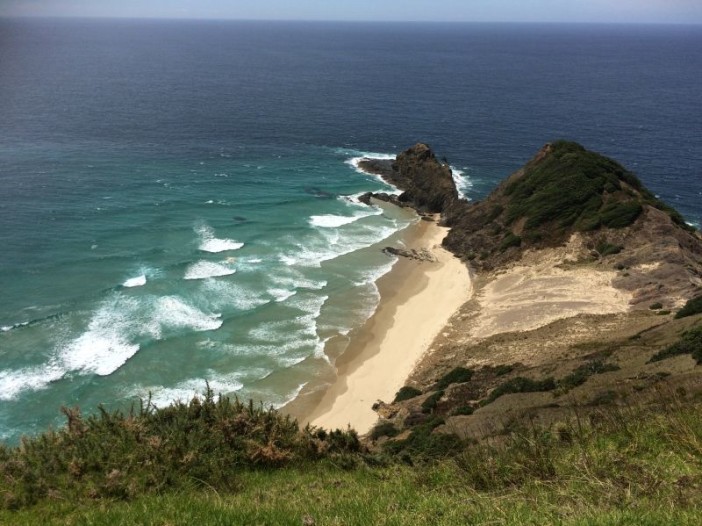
{"points": [[624, 466], [398, 495]]}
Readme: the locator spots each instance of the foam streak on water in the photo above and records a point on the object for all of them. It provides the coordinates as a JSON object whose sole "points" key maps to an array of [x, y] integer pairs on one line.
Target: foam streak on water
{"points": [[210, 243]]}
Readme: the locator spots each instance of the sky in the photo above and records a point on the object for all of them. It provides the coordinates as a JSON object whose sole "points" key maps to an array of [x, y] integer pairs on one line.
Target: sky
{"points": [[606, 11]]}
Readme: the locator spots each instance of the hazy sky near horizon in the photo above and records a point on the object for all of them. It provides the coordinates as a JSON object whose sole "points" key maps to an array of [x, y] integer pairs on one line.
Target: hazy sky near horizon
{"points": [[615, 11]]}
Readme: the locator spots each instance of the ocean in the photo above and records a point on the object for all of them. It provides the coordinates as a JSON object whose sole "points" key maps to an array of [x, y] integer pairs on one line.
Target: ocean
{"points": [[178, 199]]}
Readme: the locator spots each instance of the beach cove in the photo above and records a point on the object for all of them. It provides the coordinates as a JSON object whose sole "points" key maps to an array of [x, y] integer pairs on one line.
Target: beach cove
{"points": [[417, 299]]}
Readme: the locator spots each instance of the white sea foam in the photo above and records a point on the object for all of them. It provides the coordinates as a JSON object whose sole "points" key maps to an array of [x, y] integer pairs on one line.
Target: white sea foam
{"points": [[332, 221], [281, 294], [173, 313], [331, 245], [336, 221], [292, 340], [221, 294], [463, 182], [210, 243], [208, 269], [162, 396], [8, 328], [14, 382], [121, 322], [290, 396], [137, 281], [106, 344], [365, 156]]}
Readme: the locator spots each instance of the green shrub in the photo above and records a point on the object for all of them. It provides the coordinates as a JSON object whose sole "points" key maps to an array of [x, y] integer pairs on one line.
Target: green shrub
{"points": [[656, 306], [405, 393], [431, 401], [580, 375], [690, 343], [510, 240], [422, 443], [458, 375], [621, 214], [384, 429], [502, 370], [521, 385], [693, 306], [606, 249], [125, 455], [463, 410]]}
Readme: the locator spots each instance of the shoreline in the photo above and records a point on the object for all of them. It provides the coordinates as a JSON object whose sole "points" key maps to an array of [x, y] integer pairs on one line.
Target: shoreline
{"points": [[417, 300]]}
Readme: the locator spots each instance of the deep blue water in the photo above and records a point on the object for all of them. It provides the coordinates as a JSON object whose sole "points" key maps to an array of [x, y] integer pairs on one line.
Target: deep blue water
{"points": [[147, 152]]}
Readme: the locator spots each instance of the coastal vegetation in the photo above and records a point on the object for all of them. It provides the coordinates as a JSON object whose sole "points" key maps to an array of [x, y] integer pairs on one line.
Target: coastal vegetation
{"points": [[627, 465], [692, 307]]}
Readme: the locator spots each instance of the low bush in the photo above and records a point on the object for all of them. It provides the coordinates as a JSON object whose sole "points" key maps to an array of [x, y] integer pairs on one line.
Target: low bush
{"points": [[502, 370], [509, 241], [580, 375], [431, 401], [521, 385], [458, 375], [656, 306], [693, 306], [690, 343], [463, 410], [406, 393], [606, 249], [423, 443], [384, 429]]}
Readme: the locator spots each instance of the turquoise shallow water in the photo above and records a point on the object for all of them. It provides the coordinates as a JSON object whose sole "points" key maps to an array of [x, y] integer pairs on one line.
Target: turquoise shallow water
{"points": [[176, 197], [230, 271]]}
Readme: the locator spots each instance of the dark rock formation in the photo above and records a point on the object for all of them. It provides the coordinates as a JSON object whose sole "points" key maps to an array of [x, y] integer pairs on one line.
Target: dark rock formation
{"points": [[419, 255], [427, 184]]}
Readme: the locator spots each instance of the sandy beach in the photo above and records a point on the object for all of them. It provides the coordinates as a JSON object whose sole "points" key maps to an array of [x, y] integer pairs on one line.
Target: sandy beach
{"points": [[417, 300]]}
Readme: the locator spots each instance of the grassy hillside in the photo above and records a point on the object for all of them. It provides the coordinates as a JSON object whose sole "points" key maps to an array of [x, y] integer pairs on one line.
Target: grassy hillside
{"points": [[630, 466]]}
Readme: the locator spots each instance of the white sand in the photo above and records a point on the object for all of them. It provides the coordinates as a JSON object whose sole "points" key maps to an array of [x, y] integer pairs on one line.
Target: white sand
{"points": [[417, 300]]}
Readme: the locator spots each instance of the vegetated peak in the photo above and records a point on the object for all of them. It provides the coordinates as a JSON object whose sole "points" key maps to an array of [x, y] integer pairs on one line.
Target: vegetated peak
{"points": [[564, 189]]}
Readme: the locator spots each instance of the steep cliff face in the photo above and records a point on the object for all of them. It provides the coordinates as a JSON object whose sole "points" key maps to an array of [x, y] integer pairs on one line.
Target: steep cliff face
{"points": [[427, 184]]}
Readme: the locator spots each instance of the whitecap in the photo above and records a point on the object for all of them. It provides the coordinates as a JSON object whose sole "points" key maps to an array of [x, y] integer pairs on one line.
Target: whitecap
{"points": [[281, 295], [331, 221], [210, 243], [105, 346], [120, 323], [137, 281], [13, 383], [463, 182], [173, 313], [336, 221], [208, 269], [221, 294]]}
